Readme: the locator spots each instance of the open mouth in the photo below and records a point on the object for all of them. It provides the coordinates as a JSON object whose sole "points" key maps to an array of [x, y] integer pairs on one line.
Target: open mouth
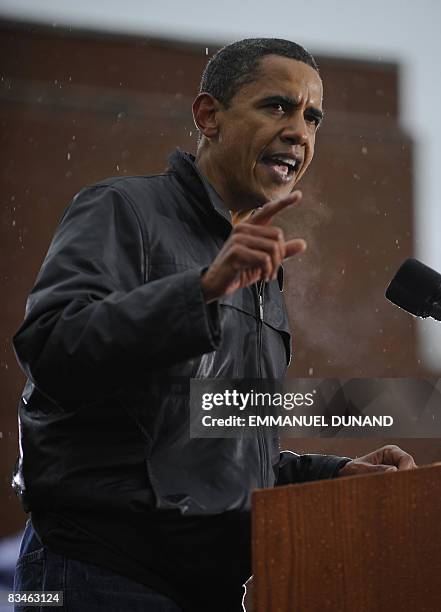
{"points": [[281, 167]]}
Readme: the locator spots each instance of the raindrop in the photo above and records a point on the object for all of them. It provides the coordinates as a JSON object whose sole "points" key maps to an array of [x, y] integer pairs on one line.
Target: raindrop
{"points": [[68, 156], [13, 223], [364, 150], [117, 167], [206, 50], [311, 371]]}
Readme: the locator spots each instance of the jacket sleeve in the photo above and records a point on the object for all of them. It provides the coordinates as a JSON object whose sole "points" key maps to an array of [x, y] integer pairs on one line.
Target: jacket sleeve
{"points": [[92, 316], [294, 468]]}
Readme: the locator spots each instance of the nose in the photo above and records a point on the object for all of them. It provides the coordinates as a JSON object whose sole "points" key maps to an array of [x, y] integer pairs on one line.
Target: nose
{"points": [[295, 131]]}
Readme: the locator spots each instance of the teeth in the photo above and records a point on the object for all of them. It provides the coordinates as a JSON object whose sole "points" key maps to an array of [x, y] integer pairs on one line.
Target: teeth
{"points": [[289, 161], [286, 160]]}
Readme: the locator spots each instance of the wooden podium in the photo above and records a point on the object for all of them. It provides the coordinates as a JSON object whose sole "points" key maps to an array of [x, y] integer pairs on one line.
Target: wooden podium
{"points": [[359, 544]]}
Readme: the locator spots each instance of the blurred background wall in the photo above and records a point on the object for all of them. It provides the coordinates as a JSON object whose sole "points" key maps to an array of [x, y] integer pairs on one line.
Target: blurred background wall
{"points": [[93, 91]]}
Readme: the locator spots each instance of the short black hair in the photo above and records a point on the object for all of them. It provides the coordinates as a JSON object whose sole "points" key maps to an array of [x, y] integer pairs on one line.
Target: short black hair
{"points": [[237, 64]]}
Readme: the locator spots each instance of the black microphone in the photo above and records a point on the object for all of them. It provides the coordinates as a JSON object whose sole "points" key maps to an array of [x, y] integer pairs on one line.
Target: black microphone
{"points": [[417, 289]]}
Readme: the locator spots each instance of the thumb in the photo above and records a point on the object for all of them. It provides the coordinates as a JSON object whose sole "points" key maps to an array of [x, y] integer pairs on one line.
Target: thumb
{"points": [[358, 468], [381, 468]]}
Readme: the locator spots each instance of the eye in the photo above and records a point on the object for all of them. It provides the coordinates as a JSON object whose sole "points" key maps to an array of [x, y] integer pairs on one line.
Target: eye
{"points": [[313, 119], [277, 106]]}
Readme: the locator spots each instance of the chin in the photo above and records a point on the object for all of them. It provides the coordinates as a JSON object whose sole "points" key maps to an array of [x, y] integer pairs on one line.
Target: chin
{"points": [[275, 194]]}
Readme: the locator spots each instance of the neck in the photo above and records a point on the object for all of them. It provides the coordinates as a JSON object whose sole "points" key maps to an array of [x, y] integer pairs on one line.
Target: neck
{"points": [[207, 165]]}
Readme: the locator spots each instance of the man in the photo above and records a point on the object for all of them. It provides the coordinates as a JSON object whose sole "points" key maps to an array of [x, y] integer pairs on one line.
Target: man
{"points": [[149, 282]]}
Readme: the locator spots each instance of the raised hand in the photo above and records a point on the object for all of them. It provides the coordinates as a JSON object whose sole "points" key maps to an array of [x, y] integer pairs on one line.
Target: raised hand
{"points": [[253, 252]]}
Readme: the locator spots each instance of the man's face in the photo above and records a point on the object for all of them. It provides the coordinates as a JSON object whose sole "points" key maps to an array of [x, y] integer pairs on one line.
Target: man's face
{"points": [[266, 136]]}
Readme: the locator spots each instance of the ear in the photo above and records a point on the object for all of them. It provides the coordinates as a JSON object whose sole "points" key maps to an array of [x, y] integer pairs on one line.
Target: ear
{"points": [[205, 115]]}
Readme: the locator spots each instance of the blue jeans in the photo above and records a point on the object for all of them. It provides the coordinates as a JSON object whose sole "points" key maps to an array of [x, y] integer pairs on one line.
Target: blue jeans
{"points": [[86, 587]]}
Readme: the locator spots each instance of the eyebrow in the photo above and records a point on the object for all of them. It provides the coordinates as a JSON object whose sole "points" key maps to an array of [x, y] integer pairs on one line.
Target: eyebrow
{"points": [[292, 103]]}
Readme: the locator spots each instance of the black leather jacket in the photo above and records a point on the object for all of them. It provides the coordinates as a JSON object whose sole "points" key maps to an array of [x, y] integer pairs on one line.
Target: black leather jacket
{"points": [[115, 327]]}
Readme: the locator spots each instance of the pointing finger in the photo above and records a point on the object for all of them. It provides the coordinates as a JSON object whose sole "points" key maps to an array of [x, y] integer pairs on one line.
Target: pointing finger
{"points": [[293, 247], [265, 215]]}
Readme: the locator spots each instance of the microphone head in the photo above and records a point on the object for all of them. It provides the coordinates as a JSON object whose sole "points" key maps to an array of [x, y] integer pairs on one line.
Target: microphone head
{"points": [[415, 287]]}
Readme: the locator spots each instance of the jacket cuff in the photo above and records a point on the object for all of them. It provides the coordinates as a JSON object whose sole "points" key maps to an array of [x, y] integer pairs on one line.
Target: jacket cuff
{"points": [[336, 464], [213, 312], [326, 466], [294, 468], [203, 317]]}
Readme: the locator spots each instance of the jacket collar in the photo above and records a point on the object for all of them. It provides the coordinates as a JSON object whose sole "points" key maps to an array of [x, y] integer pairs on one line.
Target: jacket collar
{"points": [[184, 165]]}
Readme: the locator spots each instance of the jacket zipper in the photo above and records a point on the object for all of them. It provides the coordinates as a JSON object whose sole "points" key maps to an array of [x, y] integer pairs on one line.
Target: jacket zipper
{"points": [[259, 329], [261, 438]]}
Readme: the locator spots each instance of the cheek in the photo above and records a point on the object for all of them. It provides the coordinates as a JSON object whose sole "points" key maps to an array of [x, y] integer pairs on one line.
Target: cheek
{"points": [[309, 153]]}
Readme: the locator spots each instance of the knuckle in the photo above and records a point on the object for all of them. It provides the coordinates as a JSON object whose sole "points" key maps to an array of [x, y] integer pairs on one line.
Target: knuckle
{"points": [[235, 250], [246, 228]]}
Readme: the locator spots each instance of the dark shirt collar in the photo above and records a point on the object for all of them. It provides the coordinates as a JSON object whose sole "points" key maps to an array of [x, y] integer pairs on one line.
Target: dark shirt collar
{"points": [[215, 198], [182, 162]]}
